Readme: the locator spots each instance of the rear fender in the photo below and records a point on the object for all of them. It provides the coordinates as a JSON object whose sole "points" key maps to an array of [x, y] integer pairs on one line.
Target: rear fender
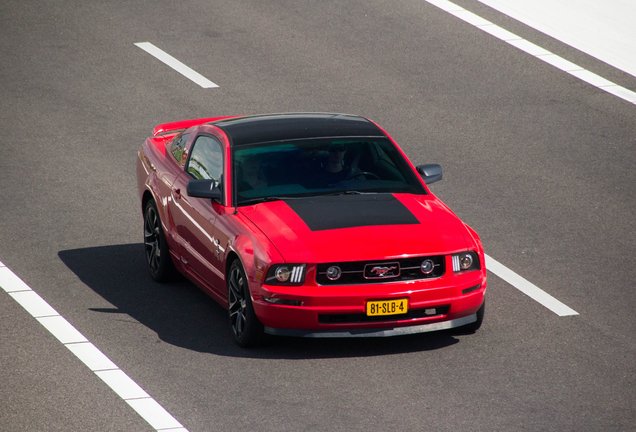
{"points": [[153, 187]]}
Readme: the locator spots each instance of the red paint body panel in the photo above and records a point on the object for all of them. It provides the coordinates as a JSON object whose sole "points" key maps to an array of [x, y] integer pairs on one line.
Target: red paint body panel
{"points": [[439, 232], [205, 235]]}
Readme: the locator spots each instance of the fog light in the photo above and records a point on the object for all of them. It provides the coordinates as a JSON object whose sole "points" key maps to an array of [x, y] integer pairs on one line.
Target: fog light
{"points": [[334, 273], [282, 274], [427, 266]]}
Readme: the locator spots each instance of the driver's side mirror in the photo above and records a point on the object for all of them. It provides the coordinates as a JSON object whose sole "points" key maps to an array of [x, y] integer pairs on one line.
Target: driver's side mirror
{"points": [[203, 189], [430, 172]]}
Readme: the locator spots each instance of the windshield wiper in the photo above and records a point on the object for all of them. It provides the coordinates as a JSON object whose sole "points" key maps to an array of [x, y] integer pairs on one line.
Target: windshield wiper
{"points": [[351, 192], [265, 199]]}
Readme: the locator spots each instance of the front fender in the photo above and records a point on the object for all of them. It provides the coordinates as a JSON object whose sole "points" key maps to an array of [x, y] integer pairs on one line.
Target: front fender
{"points": [[256, 253]]}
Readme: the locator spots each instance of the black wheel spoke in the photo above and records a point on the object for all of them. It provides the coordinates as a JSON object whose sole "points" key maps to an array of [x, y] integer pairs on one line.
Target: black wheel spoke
{"points": [[155, 259], [155, 246], [247, 328], [151, 240], [236, 302], [240, 324]]}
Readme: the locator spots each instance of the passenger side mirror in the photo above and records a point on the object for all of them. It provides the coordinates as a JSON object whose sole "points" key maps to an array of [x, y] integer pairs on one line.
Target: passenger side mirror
{"points": [[430, 172], [203, 189]]}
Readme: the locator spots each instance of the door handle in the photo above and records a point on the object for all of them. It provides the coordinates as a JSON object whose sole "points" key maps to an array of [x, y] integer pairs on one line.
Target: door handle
{"points": [[217, 245], [176, 193]]}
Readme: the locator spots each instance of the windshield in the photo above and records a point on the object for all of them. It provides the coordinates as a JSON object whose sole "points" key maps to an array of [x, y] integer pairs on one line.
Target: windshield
{"points": [[320, 167]]}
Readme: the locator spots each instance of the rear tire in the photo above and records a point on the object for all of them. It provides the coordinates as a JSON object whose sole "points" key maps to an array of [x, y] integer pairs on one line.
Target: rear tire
{"points": [[155, 245], [248, 331]]}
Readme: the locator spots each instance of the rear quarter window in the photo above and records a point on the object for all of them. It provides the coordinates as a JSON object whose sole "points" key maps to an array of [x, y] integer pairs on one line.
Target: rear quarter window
{"points": [[178, 147]]}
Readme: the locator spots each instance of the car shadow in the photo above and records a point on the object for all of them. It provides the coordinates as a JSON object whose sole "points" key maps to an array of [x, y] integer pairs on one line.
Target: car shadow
{"points": [[182, 315]]}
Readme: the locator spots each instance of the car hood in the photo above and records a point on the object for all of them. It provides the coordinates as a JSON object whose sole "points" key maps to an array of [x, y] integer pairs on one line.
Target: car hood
{"points": [[359, 227]]}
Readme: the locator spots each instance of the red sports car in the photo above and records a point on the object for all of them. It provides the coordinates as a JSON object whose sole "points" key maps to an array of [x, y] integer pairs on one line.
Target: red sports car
{"points": [[312, 225]]}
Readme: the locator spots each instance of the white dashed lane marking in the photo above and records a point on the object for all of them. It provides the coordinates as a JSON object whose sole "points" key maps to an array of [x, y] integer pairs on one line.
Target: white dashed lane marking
{"points": [[528, 288], [87, 353], [176, 65], [495, 267], [129, 390], [536, 51]]}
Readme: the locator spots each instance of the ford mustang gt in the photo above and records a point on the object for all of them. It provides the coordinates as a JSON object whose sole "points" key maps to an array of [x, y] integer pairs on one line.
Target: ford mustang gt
{"points": [[313, 225]]}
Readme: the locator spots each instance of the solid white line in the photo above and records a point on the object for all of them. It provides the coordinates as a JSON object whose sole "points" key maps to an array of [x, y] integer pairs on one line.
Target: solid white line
{"points": [[62, 329], [529, 47], [91, 356], [87, 353], [591, 78], [559, 62], [528, 288], [603, 29], [33, 303], [470, 17], [535, 50], [445, 5], [10, 282], [122, 384], [155, 414], [499, 32], [176, 65], [621, 92]]}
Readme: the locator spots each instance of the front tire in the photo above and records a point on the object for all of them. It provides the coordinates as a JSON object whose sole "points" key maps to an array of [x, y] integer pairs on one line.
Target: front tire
{"points": [[474, 326], [248, 331], [155, 245]]}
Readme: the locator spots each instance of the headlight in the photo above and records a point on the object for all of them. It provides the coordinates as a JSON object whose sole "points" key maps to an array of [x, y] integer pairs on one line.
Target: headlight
{"points": [[465, 261], [286, 274], [282, 274]]}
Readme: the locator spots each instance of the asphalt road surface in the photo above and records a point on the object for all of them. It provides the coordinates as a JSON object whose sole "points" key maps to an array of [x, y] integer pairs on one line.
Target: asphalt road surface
{"points": [[537, 161]]}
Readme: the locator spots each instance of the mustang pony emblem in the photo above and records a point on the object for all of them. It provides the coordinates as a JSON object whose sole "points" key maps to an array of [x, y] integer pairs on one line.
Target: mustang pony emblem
{"points": [[382, 271]]}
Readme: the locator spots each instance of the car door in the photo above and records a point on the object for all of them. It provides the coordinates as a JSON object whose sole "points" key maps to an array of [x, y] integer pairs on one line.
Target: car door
{"points": [[195, 217], [175, 161]]}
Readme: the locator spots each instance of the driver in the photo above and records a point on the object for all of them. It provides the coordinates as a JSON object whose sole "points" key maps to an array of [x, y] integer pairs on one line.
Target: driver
{"points": [[332, 170]]}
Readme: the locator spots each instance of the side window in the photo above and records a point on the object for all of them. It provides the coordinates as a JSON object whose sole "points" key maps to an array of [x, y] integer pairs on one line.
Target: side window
{"points": [[206, 159], [178, 145]]}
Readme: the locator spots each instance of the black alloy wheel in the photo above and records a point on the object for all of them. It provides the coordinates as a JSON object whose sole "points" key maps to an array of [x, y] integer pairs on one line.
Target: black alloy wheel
{"points": [[246, 327], [155, 245]]}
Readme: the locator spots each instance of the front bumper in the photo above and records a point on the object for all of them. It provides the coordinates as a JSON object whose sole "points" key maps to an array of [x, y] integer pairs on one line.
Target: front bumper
{"points": [[455, 299], [359, 333]]}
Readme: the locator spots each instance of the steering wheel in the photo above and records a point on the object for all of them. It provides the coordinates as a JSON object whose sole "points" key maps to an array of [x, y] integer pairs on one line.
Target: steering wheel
{"points": [[362, 173]]}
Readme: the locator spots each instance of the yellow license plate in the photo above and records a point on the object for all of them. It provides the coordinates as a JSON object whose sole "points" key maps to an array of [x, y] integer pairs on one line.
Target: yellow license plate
{"points": [[387, 307]]}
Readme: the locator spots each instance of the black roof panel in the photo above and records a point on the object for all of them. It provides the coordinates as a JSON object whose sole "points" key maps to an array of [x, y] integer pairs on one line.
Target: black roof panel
{"points": [[282, 127]]}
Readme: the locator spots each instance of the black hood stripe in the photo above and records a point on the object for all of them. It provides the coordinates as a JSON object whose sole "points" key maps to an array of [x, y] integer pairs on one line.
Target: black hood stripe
{"points": [[349, 211]]}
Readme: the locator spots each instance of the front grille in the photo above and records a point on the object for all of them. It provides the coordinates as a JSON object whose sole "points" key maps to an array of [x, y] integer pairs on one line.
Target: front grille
{"points": [[362, 318], [361, 272]]}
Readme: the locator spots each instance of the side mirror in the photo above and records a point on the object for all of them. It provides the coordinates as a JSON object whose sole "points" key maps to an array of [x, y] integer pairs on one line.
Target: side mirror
{"points": [[203, 189], [430, 172]]}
